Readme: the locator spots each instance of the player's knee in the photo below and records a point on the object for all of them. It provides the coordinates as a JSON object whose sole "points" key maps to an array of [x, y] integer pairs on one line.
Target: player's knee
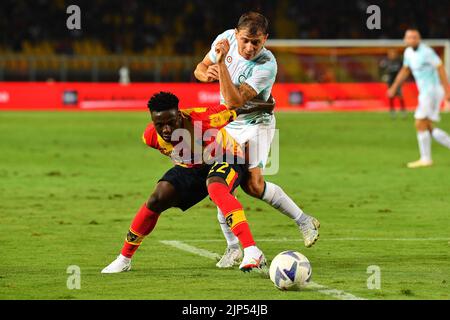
{"points": [[155, 202], [254, 186], [421, 125], [162, 198], [215, 179], [424, 124]]}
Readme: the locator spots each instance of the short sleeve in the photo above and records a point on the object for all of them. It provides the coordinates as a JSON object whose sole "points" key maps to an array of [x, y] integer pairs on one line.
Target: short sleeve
{"points": [[406, 59], [434, 59], [149, 137], [263, 77], [212, 53]]}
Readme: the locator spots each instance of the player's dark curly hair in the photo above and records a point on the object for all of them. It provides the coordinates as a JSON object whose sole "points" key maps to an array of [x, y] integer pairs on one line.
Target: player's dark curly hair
{"points": [[254, 22], [163, 101]]}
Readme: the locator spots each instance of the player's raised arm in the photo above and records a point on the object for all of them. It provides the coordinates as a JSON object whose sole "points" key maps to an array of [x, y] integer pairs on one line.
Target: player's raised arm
{"points": [[234, 97], [401, 77], [257, 105]]}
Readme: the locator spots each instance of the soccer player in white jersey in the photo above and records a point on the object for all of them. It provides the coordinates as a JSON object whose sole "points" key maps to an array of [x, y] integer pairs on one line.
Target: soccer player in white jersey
{"points": [[433, 86], [251, 73]]}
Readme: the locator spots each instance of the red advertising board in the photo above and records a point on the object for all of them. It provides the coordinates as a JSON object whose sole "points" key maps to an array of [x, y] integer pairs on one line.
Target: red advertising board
{"points": [[114, 96]]}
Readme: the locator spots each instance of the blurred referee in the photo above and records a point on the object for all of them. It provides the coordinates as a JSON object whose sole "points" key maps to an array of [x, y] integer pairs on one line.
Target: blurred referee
{"points": [[389, 68]]}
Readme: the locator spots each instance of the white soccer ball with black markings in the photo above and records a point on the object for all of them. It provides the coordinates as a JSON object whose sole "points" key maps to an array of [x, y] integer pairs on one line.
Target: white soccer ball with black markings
{"points": [[290, 270]]}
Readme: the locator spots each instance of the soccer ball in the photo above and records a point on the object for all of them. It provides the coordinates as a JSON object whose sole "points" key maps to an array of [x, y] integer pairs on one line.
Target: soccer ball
{"points": [[290, 270]]}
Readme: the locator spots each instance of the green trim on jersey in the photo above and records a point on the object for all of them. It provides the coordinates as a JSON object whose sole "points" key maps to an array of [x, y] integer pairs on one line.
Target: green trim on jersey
{"points": [[253, 118]]}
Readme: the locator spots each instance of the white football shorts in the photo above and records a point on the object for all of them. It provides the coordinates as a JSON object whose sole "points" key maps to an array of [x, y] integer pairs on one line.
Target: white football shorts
{"points": [[258, 129], [429, 104]]}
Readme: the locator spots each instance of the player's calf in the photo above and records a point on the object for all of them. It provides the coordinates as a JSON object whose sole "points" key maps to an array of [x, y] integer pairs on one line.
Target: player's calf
{"points": [[142, 225], [441, 137], [221, 181], [232, 211], [254, 185]]}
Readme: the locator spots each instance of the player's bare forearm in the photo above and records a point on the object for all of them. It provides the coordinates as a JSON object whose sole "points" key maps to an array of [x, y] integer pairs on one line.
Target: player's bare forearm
{"points": [[200, 72], [401, 77], [247, 92], [257, 105], [234, 97], [229, 91]]}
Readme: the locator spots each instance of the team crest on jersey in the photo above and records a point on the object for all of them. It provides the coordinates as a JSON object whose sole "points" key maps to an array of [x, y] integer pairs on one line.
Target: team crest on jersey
{"points": [[229, 59], [242, 78]]}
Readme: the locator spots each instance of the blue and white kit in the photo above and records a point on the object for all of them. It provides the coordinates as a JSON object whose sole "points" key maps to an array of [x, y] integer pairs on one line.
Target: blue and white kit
{"points": [[256, 128], [423, 63]]}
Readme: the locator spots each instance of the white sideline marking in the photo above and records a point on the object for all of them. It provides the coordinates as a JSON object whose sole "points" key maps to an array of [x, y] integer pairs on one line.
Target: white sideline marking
{"points": [[339, 294], [185, 247], [329, 239]]}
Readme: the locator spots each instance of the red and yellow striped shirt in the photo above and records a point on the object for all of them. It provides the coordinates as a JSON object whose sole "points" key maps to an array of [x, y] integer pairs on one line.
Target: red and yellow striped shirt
{"points": [[196, 121]]}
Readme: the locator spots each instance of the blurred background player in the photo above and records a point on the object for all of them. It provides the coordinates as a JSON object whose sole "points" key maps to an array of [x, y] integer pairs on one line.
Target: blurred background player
{"points": [[124, 75], [252, 71], [390, 67], [432, 83]]}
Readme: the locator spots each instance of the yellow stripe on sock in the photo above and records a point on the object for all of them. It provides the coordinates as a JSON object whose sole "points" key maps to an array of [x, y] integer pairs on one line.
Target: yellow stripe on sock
{"points": [[134, 238], [234, 218]]}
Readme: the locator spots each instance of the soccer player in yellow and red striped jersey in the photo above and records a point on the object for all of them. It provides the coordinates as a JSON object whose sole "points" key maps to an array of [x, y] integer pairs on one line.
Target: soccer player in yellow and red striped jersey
{"points": [[194, 124], [207, 162]]}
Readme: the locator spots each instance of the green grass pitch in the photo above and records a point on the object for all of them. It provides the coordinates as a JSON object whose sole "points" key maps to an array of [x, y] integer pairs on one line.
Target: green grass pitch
{"points": [[70, 183]]}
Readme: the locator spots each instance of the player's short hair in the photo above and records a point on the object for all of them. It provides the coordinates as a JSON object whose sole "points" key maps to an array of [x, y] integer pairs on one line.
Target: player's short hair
{"points": [[254, 22], [163, 101], [413, 29]]}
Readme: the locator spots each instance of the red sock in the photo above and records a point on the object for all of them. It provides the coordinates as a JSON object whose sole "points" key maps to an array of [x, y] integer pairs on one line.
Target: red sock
{"points": [[233, 212], [143, 223]]}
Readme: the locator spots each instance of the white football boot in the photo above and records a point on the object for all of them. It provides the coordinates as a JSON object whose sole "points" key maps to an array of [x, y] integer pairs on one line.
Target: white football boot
{"points": [[419, 164], [253, 258], [231, 257], [121, 264], [310, 231]]}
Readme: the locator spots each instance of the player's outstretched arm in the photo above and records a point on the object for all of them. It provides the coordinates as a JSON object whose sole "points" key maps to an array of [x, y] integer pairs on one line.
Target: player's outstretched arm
{"points": [[234, 97], [257, 105], [402, 75], [444, 80], [206, 70]]}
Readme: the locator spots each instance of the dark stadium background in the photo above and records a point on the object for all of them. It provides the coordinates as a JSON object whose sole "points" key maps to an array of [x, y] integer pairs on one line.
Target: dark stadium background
{"points": [[185, 29]]}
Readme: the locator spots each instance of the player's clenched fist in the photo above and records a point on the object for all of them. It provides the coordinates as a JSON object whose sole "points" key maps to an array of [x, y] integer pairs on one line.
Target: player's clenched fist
{"points": [[212, 73], [222, 48]]}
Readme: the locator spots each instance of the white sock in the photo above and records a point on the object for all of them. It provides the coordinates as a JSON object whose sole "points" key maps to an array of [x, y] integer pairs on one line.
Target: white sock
{"points": [[277, 198], [252, 251], [126, 259], [232, 240], [424, 140], [441, 136]]}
